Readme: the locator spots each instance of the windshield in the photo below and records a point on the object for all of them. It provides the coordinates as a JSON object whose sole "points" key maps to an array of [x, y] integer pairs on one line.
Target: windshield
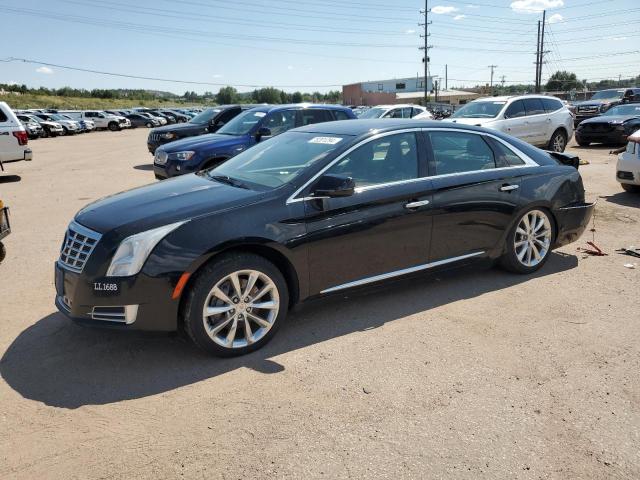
{"points": [[243, 123], [206, 116], [373, 113], [626, 110], [608, 95], [58, 117], [482, 109], [279, 160]]}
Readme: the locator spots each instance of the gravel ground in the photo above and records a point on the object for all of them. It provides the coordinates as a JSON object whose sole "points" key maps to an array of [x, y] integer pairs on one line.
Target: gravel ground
{"points": [[473, 374]]}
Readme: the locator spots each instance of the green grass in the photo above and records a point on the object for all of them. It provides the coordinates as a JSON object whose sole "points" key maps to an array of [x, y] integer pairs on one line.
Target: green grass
{"points": [[79, 103]]}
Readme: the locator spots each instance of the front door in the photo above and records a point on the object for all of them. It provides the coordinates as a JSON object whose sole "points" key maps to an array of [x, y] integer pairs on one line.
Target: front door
{"points": [[474, 198], [384, 227]]}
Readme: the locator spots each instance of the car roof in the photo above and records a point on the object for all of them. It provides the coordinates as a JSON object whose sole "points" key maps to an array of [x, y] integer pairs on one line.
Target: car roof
{"points": [[275, 108], [506, 98], [379, 125]]}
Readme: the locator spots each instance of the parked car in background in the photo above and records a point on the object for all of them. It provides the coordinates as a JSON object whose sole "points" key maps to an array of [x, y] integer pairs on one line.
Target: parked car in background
{"points": [[140, 120], [34, 130], [69, 127], [181, 117], [319, 210], [13, 137], [209, 121], [611, 128], [245, 130], [49, 129], [103, 120], [5, 229], [85, 125], [603, 101], [394, 111], [628, 166], [540, 120]]}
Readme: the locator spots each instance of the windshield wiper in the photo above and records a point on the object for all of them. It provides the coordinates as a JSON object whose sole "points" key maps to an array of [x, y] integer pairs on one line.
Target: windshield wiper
{"points": [[229, 181]]}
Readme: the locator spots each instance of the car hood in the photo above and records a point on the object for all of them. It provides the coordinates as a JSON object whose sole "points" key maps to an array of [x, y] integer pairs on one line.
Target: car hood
{"points": [[594, 103], [50, 124], [211, 140], [181, 127], [162, 203], [478, 122], [608, 119]]}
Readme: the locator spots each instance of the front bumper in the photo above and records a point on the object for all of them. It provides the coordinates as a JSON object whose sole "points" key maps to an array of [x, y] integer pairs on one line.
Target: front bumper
{"points": [[572, 221], [145, 301], [617, 137], [628, 171], [174, 169]]}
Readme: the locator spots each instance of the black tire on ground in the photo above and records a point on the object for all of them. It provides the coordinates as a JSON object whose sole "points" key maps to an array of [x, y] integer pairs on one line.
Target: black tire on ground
{"points": [[148, 125], [114, 126], [64, 132], [3, 252], [627, 187], [45, 133], [509, 260], [583, 143], [558, 141], [206, 280]]}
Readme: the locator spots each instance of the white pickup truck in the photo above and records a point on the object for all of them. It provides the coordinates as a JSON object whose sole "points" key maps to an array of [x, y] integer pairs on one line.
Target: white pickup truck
{"points": [[101, 119], [13, 137]]}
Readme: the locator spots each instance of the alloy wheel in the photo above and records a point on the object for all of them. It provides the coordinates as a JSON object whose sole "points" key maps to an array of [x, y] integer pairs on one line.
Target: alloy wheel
{"points": [[559, 143], [241, 309], [533, 238]]}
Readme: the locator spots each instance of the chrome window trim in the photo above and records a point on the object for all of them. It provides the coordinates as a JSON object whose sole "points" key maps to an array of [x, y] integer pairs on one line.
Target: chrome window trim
{"points": [[397, 273], [528, 161]]}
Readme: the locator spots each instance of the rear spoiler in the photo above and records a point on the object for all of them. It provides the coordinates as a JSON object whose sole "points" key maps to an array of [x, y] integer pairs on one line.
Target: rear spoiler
{"points": [[566, 158]]}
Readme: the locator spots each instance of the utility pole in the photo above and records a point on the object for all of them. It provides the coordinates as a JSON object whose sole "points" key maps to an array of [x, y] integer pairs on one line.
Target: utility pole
{"points": [[502, 80], [544, 17], [537, 87], [426, 49], [446, 76], [492, 67]]}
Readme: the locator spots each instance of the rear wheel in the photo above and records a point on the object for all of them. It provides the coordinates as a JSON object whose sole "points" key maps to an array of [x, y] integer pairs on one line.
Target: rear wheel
{"points": [[236, 305], [558, 141], [45, 133], [529, 242], [627, 187], [113, 126]]}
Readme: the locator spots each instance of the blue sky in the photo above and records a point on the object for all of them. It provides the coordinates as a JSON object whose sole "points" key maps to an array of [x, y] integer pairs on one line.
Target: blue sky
{"points": [[310, 45]]}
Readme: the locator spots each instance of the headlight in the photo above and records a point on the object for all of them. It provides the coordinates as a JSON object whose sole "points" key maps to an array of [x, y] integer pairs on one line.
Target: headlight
{"points": [[168, 135], [134, 250], [181, 156]]}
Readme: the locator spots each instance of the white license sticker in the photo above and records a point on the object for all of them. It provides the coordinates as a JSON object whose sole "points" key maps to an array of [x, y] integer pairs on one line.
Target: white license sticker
{"points": [[260, 114], [325, 140]]}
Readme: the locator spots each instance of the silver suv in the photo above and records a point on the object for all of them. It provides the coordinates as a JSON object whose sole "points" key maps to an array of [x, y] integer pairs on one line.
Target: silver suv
{"points": [[537, 119]]}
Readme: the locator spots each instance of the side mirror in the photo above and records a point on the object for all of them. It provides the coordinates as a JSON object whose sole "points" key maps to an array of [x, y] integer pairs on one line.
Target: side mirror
{"points": [[263, 132], [334, 186]]}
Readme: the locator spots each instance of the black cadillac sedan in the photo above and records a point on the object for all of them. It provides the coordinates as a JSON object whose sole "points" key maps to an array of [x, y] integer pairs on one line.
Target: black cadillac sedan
{"points": [[224, 253], [611, 128]]}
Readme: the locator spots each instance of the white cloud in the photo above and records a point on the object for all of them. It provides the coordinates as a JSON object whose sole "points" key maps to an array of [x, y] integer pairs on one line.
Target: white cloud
{"points": [[45, 70], [440, 10], [535, 6], [471, 5], [409, 32], [459, 17], [616, 39], [555, 18]]}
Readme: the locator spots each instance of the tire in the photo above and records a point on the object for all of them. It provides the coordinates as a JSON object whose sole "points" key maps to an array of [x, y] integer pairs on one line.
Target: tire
{"points": [[45, 133], [522, 242], [583, 143], [218, 275], [148, 125], [558, 141], [627, 187], [113, 126], [64, 132], [3, 252]]}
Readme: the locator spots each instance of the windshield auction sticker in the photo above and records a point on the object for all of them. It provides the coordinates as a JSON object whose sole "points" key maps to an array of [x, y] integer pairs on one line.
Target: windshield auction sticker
{"points": [[325, 140]]}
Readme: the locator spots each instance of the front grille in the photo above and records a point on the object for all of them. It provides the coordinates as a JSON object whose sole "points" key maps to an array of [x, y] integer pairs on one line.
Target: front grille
{"points": [[625, 175], [588, 109], [154, 137], [598, 127], [78, 245]]}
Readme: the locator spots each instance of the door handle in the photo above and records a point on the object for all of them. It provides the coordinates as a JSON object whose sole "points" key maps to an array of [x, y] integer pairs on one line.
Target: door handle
{"points": [[421, 203], [509, 188]]}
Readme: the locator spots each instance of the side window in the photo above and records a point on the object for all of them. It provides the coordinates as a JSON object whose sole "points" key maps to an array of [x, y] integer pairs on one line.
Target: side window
{"points": [[387, 159], [340, 115], [416, 111], [505, 157], [551, 104], [406, 112], [533, 106], [226, 116], [313, 115], [515, 110], [395, 113], [457, 152], [89, 114], [3, 117], [280, 122]]}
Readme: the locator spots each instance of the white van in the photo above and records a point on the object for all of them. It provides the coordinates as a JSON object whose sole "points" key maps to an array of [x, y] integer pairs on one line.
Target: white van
{"points": [[13, 137]]}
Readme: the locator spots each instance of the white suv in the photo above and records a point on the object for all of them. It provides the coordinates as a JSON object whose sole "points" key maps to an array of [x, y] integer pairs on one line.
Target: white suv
{"points": [[395, 111], [628, 167], [537, 119], [13, 137]]}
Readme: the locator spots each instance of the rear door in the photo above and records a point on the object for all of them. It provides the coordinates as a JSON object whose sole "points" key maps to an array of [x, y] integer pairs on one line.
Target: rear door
{"points": [[475, 195], [9, 148], [538, 122]]}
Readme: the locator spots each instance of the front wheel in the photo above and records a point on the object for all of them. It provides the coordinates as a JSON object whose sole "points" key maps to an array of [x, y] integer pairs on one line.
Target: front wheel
{"points": [[529, 242], [235, 305], [3, 252], [114, 127], [148, 125], [558, 141]]}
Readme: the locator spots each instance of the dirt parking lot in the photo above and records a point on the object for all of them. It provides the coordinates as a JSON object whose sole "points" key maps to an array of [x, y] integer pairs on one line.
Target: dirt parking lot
{"points": [[468, 375]]}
